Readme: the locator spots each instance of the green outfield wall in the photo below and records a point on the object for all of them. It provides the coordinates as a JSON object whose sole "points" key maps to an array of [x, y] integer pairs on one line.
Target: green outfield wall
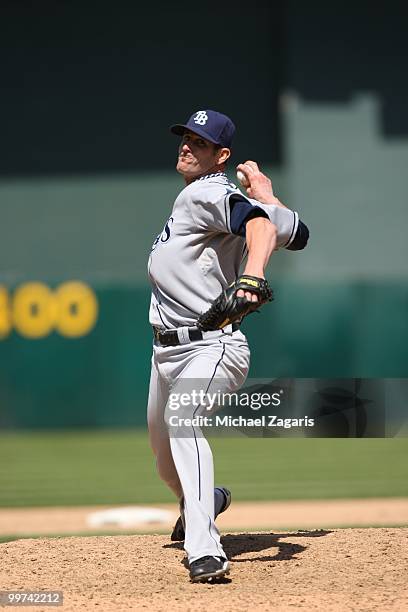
{"points": [[100, 378]]}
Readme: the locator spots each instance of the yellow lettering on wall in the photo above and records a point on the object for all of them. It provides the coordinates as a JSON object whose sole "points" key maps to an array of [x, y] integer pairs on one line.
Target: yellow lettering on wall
{"points": [[5, 314], [77, 309], [34, 310]]}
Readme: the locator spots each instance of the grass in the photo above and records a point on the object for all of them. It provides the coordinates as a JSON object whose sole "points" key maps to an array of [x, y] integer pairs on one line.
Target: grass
{"points": [[116, 467]]}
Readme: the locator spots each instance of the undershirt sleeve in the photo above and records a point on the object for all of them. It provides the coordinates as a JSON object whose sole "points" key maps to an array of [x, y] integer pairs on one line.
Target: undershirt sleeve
{"points": [[241, 211], [301, 237]]}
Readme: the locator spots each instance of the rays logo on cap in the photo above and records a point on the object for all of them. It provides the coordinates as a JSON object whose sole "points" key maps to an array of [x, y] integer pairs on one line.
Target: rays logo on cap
{"points": [[201, 118]]}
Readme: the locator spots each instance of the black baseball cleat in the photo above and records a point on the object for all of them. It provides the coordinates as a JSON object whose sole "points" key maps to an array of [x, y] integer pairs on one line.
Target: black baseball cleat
{"points": [[178, 532], [179, 528], [209, 569]]}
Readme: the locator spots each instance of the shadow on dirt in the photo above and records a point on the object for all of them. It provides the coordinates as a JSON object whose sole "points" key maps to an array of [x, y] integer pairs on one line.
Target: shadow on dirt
{"points": [[236, 544], [239, 544]]}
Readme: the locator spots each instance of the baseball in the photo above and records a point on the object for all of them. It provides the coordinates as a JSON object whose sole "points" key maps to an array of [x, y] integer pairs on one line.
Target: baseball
{"points": [[242, 178]]}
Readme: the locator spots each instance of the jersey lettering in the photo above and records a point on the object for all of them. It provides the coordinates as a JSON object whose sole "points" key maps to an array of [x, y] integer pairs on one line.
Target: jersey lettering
{"points": [[164, 236]]}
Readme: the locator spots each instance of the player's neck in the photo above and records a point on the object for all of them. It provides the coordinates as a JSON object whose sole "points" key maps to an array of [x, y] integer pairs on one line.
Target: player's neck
{"points": [[213, 170]]}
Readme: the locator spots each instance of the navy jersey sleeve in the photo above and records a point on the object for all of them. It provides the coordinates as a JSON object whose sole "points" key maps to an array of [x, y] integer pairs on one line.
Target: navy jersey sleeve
{"points": [[241, 211]]}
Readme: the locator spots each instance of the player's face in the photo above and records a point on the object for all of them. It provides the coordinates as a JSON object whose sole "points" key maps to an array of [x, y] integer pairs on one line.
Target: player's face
{"points": [[196, 156]]}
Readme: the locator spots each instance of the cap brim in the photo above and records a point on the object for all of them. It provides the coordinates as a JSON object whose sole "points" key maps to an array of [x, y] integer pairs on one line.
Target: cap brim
{"points": [[179, 130]]}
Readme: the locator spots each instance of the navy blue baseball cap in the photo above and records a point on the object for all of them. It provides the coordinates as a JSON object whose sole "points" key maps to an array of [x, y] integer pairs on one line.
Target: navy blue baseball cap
{"points": [[209, 124]]}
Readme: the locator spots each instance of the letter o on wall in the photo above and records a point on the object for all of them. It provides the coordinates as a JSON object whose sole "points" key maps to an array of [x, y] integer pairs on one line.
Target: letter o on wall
{"points": [[77, 309], [34, 310]]}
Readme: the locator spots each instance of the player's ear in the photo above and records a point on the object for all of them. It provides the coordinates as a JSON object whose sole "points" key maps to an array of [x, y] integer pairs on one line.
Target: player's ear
{"points": [[223, 155]]}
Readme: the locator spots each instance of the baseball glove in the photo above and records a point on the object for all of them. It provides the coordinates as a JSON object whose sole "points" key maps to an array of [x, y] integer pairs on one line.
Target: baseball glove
{"points": [[228, 308]]}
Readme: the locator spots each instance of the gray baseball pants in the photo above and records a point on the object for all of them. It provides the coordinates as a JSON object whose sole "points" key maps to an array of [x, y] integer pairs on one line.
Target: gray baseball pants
{"points": [[218, 363]]}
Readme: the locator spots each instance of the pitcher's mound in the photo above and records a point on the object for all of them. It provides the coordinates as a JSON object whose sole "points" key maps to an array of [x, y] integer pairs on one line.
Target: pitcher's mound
{"points": [[343, 569]]}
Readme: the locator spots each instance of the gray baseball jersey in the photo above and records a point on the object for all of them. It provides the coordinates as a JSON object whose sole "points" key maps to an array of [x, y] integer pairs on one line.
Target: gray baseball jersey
{"points": [[197, 255]]}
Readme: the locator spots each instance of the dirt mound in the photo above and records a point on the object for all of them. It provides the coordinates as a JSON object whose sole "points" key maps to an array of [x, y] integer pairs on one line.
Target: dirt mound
{"points": [[344, 569]]}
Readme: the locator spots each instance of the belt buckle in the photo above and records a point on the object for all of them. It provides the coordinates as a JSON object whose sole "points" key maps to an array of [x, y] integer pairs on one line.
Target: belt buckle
{"points": [[163, 337], [156, 333]]}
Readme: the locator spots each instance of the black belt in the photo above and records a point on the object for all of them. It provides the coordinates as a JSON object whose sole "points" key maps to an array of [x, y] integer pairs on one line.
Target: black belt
{"points": [[169, 337]]}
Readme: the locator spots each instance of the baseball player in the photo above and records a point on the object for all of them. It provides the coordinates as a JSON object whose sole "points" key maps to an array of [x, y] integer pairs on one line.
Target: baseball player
{"points": [[198, 301]]}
